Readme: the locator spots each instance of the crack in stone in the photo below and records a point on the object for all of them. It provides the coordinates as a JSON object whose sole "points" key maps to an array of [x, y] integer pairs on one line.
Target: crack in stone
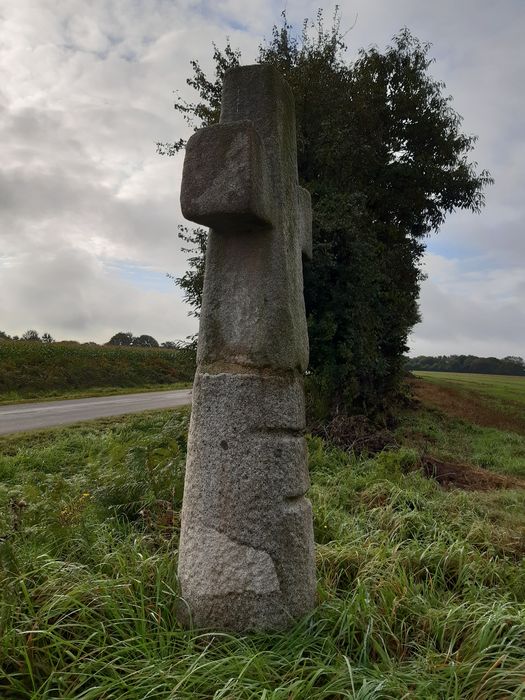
{"points": [[219, 367], [293, 499], [260, 549], [243, 544], [280, 432], [219, 564]]}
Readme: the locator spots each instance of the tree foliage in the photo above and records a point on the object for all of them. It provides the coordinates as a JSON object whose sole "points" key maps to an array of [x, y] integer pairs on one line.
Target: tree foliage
{"points": [[382, 153], [123, 338], [192, 281], [145, 341], [31, 335], [127, 339]]}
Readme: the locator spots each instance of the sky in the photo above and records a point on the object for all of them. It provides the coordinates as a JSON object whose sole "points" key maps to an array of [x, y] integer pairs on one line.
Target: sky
{"points": [[89, 211]]}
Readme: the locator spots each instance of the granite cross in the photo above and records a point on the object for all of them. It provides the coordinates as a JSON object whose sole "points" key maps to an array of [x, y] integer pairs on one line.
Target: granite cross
{"points": [[246, 558]]}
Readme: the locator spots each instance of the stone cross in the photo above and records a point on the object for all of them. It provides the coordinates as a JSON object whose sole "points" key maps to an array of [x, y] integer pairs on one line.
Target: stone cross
{"points": [[246, 558]]}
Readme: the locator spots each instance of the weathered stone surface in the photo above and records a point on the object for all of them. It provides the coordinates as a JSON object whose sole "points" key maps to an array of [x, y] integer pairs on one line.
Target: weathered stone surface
{"points": [[225, 179], [246, 553], [231, 567]]}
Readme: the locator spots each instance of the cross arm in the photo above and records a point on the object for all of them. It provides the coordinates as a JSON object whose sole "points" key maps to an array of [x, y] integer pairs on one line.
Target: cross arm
{"points": [[225, 181]]}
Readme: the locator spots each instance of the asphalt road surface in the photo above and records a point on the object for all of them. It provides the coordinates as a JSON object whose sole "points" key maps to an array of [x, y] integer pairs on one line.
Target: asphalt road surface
{"points": [[19, 417]]}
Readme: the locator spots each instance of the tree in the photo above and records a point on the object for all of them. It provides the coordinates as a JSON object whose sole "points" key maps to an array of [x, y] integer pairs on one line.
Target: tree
{"points": [[127, 339], [145, 341], [467, 363], [122, 338], [4, 336], [192, 281], [47, 338], [381, 151], [31, 335]]}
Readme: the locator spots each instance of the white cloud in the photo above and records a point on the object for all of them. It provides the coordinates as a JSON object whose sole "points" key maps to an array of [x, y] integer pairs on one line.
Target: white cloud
{"points": [[86, 89]]}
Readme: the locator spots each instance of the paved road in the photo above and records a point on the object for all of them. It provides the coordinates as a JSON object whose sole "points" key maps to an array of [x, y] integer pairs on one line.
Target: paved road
{"points": [[31, 416]]}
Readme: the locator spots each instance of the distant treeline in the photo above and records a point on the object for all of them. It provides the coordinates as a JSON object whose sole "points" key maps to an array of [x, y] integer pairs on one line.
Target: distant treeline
{"points": [[467, 363], [28, 367], [123, 338]]}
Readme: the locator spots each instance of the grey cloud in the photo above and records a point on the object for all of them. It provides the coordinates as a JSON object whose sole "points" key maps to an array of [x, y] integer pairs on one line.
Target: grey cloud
{"points": [[455, 324], [471, 310], [73, 295], [86, 91]]}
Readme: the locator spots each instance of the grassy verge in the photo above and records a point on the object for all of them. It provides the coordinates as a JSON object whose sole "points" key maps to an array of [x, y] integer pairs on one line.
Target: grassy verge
{"points": [[433, 432], [421, 590], [57, 395], [30, 369]]}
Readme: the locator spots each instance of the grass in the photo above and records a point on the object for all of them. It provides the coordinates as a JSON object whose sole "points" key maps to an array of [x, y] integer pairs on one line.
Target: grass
{"points": [[496, 386], [420, 593], [482, 399], [13, 397], [32, 370], [451, 438]]}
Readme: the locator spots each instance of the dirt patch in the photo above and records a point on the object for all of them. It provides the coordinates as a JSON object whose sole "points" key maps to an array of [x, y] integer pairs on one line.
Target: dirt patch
{"points": [[356, 434], [452, 475], [464, 404]]}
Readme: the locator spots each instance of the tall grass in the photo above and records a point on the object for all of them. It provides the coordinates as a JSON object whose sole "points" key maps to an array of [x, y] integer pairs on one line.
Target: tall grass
{"points": [[28, 369], [420, 595]]}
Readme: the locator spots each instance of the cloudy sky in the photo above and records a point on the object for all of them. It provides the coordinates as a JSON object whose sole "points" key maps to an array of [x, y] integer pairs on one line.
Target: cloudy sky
{"points": [[89, 211]]}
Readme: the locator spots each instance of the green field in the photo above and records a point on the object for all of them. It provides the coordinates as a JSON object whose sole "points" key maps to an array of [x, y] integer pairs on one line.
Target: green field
{"points": [[31, 370], [421, 590], [497, 386]]}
